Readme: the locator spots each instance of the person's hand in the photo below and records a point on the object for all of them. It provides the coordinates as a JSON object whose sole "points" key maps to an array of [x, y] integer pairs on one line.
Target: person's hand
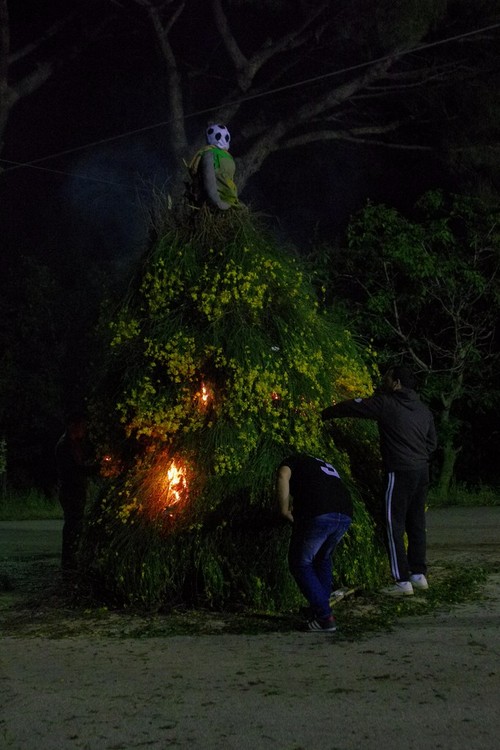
{"points": [[287, 515]]}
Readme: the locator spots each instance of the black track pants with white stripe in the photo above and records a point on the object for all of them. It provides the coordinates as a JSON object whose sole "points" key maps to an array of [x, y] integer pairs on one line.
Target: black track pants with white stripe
{"points": [[405, 499]]}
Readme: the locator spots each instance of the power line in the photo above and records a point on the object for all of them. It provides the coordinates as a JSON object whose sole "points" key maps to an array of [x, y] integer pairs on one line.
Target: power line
{"points": [[252, 97], [70, 174]]}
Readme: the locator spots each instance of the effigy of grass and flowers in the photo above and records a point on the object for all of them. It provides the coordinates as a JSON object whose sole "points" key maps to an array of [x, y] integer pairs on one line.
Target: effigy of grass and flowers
{"points": [[218, 363]]}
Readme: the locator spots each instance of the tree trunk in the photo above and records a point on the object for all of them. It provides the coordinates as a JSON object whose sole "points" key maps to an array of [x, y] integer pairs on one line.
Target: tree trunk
{"points": [[448, 428], [447, 469]]}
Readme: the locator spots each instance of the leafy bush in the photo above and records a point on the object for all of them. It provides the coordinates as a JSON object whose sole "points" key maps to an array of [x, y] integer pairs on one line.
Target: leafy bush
{"points": [[28, 505], [466, 496]]}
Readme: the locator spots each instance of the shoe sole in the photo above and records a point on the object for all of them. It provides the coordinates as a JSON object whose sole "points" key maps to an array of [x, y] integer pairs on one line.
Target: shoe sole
{"points": [[420, 584], [318, 629], [321, 630]]}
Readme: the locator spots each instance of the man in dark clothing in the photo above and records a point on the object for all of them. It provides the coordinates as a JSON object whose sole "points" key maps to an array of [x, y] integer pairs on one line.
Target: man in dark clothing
{"points": [[73, 467], [407, 440], [313, 498]]}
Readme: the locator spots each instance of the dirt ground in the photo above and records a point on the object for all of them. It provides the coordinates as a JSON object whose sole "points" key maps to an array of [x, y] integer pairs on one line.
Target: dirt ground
{"points": [[432, 682]]}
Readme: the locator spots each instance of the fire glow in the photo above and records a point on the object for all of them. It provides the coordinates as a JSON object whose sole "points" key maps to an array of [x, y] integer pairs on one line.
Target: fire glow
{"points": [[176, 485], [109, 467], [204, 396]]}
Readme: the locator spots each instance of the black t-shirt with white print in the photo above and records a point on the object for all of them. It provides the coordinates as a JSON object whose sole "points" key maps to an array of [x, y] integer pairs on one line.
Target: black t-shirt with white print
{"points": [[316, 487]]}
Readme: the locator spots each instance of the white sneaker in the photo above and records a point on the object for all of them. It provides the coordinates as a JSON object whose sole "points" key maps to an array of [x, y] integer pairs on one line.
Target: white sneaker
{"points": [[419, 581], [400, 588]]}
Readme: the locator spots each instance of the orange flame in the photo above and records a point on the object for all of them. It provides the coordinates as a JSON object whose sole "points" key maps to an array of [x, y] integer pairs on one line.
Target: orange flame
{"points": [[176, 479], [204, 395], [176, 484]]}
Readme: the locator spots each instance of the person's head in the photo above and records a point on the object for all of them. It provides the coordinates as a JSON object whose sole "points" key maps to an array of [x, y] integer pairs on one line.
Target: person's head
{"points": [[218, 135], [398, 377]]}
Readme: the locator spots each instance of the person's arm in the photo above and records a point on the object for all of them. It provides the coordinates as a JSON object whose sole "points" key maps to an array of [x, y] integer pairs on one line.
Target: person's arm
{"points": [[283, 492], [362, 408], [210, 181]]}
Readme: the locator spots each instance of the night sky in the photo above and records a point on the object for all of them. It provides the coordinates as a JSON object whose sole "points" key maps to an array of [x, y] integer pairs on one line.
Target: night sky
{"points": [[94, 197]]}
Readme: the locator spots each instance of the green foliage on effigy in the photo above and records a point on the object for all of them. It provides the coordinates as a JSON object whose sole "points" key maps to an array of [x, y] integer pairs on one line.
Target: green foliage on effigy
{"points": [[219, 362]]}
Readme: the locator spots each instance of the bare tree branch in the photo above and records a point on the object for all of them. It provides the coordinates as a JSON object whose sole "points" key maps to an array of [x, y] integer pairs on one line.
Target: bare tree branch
{"points": [[272, 140], [354, 136], [17, 82], [174, 82], [35, 45], [4, 43], [247, 68]]}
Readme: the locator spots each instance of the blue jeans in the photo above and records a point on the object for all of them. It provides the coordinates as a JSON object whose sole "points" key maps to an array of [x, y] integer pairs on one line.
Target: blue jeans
{"points": [[312, 545]]}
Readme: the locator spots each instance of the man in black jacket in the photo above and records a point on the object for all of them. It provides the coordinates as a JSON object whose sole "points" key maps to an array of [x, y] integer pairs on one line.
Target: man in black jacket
{"points": [[407, 440]]}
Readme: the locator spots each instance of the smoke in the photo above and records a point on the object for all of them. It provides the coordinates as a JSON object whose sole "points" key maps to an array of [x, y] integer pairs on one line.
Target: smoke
{"points": [[107, 198]]}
